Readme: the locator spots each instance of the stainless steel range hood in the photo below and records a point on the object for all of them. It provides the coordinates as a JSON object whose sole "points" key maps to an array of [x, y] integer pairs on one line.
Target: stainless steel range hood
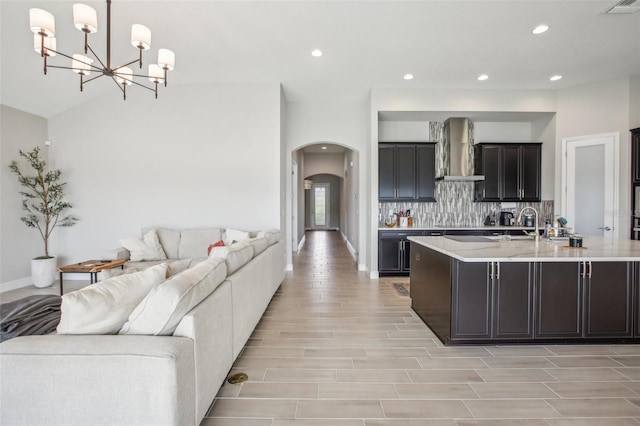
{"points": [[456, 151]]}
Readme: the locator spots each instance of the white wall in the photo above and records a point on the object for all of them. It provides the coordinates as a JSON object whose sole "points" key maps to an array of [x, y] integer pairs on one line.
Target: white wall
{"points": [[602, 107], [634, 108], [315, 164], [18, 244], [342, 123], [199, 156], [403, 131]]}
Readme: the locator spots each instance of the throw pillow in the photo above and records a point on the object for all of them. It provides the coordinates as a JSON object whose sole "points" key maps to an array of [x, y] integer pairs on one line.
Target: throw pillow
{"points": [[165, 305], [104, 307], [216, 244], [233, 235], [147, 248]]}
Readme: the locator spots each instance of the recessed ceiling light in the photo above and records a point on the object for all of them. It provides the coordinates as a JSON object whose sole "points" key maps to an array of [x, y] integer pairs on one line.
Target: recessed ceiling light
{"points": [[483, 77], [540, 29], [324, 147], [408, 77], [316, 53], [555, 78]]}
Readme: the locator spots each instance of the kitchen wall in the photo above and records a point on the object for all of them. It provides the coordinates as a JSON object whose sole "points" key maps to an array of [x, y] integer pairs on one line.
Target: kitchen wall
{"points": [[18, 244], [455, 208], [596, 108]]}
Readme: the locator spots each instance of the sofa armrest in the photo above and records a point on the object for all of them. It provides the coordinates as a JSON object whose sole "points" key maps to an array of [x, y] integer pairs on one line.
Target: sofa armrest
{"points": [[115, 380], [117, 254]]}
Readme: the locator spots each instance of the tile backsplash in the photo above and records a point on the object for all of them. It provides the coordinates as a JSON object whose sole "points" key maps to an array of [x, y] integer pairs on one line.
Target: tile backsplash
{"points": [[455, 208]]}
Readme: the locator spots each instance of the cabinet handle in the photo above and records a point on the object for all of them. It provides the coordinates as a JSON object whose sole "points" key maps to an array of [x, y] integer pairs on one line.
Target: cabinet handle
{"points": [[497, 270], [583, 269], [590, 269], [491, 271]]}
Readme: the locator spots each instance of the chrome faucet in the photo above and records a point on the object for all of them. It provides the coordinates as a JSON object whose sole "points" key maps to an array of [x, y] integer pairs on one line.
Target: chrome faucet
{"points": [[537, 232]]}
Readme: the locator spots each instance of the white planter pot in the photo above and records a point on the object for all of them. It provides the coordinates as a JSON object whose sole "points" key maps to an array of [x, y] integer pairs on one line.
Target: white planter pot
{"points": [[43, 271]]}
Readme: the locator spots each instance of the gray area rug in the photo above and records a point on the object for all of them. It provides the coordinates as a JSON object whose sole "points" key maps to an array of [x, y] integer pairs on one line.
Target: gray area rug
{"points": [[37, 314]]}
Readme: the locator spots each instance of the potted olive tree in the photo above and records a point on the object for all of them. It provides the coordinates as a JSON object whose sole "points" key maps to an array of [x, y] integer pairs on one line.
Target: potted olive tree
{"points": [[45, 209]]}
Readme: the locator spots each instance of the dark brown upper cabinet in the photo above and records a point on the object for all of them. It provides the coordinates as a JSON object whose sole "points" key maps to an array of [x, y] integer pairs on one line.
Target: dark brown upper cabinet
{"points": [[512, 171], [406, 172]]}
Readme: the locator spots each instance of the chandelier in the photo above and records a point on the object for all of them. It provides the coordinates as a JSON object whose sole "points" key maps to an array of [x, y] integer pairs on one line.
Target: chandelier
{"points": [[85, 19]]}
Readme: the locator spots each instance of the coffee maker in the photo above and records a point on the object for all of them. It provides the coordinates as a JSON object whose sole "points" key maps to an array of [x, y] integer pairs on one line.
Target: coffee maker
{"points": [[506, 219]]}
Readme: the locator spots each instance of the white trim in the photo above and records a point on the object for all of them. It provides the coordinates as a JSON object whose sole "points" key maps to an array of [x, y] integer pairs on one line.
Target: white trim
{"points": [[374, 275], [288, 267], [302, 241], [362, 267], [15, 284], [615, 175]]}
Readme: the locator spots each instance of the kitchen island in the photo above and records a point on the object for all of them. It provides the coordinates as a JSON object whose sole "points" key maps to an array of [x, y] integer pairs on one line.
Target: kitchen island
{"points": [[499, 290]]}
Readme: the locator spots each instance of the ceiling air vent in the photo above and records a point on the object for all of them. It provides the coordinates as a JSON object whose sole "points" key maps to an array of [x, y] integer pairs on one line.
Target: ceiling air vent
{"points": [[625, 6]]}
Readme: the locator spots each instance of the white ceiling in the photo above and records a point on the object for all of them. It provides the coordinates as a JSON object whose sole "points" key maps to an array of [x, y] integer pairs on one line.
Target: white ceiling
{"points": [[366, 44]]}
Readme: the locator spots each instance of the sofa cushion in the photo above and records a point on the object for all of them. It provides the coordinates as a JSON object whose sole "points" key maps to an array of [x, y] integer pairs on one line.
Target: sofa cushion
{"points": [[173, 267], [194, 242], [272, 235], [233, 235], [104, 307], [236, 255], [259, 245], [146, 248], [165, 305], [169, 239]]}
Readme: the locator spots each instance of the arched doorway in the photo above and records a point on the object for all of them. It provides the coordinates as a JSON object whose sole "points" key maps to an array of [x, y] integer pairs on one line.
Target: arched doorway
{"points": [[335, 168]]}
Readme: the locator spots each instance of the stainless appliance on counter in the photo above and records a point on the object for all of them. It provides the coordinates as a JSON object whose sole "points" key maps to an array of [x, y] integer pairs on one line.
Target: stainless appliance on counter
{"points": [[507, 219]]}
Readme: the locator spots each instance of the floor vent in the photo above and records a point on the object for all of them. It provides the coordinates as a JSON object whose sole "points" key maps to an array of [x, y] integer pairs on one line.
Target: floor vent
{"points": [[237, 378], [625, 6]]}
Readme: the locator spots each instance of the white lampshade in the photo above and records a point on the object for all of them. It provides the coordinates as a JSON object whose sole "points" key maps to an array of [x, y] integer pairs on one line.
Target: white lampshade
{"points": [[124, 76], [42, 21], [85, 18], [166, 59], [81, 64], [49, 43], [140, 36], [156, 73]]}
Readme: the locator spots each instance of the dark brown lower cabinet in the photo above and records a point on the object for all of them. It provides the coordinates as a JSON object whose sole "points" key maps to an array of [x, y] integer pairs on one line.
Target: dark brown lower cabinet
{"points": [[480, 302], [559, 300], [608, 299], [492, 300], [471, 301], [585, 299], [513, 300]]}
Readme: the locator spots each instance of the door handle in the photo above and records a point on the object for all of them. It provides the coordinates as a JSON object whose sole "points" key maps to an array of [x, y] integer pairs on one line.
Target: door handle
{"points": [[606, 228]]}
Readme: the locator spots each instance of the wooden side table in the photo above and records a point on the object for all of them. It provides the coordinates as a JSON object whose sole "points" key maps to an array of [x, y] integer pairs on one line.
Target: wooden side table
{"points": [[91, 267]]}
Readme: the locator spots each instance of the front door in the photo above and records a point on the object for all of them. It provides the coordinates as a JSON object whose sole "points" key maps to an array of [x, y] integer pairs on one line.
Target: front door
{"points": [[320, 206], [590, 170]]}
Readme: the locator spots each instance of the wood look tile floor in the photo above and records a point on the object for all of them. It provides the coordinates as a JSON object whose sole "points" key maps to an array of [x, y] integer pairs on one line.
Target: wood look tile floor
{"points": [[337, 348]]}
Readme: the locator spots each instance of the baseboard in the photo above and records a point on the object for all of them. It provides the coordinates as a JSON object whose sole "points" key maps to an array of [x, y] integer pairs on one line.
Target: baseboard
{"points": [[13, 285], [362, 267], [353, 251], [374, 275], [302, 241], [288, 267]]}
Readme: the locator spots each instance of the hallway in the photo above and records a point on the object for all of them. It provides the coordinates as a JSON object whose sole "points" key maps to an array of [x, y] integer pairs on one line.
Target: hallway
{"points": [[336, 348]]}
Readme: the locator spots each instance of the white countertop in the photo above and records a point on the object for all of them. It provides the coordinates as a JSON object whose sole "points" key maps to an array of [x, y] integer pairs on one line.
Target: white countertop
{"points": [[596, 249]]}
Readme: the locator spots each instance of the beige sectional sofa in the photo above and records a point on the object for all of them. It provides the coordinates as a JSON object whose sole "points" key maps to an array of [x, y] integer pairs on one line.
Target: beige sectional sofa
{"points": [[133, 379]]}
